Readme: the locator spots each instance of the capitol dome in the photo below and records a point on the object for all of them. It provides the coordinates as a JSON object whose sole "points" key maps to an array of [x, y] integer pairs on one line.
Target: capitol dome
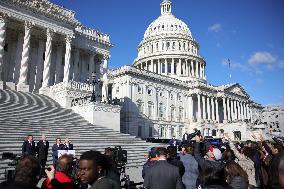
{"points": [[168, 48], [167, 24]]}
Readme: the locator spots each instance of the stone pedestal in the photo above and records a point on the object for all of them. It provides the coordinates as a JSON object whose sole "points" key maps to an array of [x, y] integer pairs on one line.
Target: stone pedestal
{"points": [[2, 85], [10, 85], [44, 91], [23, 87]]}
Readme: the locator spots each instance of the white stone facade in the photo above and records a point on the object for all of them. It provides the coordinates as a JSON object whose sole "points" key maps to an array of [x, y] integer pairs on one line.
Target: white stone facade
{"points": [[165, 92], [43, 45]]}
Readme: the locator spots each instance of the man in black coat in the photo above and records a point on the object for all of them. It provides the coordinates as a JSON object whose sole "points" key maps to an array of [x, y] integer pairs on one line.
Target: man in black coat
{"points": [[162, 175], [67, 145], [28, 147], [213, 161], [42, 150], [57, 146]]}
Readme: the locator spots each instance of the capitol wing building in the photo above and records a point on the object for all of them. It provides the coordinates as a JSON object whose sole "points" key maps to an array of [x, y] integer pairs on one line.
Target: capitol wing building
{"points": [[165, 91], [44, 49]]}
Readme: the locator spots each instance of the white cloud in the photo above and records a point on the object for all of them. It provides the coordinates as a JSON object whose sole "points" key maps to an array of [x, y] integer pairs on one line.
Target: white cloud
{"points": [[262, 58], [281, 64], [259, 81], [215, 28]]}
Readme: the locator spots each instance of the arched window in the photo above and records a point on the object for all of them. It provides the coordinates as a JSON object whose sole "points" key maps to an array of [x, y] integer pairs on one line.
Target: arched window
{"points": [[140, 106], [150, 109], [180, 114], [140, 90], [168, 45], [173, 110]]}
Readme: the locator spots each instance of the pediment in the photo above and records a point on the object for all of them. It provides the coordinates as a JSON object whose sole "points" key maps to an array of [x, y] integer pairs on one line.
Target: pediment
{"points": [[238, 90]]}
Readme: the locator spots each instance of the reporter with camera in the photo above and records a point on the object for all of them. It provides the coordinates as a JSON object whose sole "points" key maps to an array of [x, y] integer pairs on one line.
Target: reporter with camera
{"points": [[62, 175]]}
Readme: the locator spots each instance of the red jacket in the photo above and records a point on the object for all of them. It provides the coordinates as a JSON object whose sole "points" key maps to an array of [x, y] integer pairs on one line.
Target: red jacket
{"points": [[60, 177]]}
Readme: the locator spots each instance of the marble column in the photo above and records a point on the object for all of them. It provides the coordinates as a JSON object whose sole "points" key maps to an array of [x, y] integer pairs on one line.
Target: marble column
{"points": [[232, 109], [229, 109], [39, 67], [19, 56], [196, 68], [192, 68], [203, 108], [67, 59], [235, 110], [173, 67], [58, 64], [91, 64], [217, 110], [208, 109], [198, 107], [159, 66], [152, 66], [179, 67], [188, 68], [76, 70], [190, 108], [105, 80], [225, 109], [241, 111], [246, 111], [47, 60], [213, 109], [2, 44], [184, 68], [22, 85]]}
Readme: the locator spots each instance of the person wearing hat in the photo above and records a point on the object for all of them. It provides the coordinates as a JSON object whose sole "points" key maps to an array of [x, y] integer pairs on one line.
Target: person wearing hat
{"points": [[213, 162]]}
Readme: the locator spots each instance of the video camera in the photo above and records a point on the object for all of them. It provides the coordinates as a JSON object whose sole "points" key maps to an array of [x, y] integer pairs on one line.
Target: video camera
{"points": [[11, 156], [118, 155]]}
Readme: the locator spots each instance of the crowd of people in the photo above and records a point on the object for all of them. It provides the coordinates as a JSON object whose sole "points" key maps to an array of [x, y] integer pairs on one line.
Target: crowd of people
{"points": [[255, 164], [250, 165]]}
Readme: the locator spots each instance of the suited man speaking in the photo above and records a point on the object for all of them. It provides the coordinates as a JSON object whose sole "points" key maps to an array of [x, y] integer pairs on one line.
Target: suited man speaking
{"points": [[57, 146], [42, 150], [28, 147]]}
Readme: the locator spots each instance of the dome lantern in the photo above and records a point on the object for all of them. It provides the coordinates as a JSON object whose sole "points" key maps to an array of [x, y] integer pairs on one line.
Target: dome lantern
{"points": [[166, 7]]}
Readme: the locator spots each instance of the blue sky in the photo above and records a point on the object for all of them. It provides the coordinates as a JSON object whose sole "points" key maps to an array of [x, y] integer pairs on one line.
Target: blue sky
{"points": [[248, 32]]}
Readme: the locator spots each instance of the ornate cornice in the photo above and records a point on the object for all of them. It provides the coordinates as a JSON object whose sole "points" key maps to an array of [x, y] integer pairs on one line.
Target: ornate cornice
{"points": [[46, 8], [94, 35]]}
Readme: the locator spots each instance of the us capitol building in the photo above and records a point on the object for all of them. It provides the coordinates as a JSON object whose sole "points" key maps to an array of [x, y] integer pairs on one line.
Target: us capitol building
{"points": [[45, 50]]}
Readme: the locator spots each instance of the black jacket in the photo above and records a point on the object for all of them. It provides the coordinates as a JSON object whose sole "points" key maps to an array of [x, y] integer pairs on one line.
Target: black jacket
{"points": [[273, 171], [28, 148], [42, 150], [205, 164], [162, 175]]}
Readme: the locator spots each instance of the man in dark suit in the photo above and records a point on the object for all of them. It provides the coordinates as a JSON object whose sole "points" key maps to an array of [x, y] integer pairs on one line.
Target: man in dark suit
{"points": [[162, 175], [42, 150], [67, 145], [28, 147], [57, 146]]}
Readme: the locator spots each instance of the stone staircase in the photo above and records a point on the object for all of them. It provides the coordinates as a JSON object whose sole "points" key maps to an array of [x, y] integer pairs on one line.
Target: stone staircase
{"points": [[26, 113]]}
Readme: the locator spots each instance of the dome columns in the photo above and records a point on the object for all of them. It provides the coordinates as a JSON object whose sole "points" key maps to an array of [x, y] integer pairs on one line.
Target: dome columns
{"points": [[177, 67]]}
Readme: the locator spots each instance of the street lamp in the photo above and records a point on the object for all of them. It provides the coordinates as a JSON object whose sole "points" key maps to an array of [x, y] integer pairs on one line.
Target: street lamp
{"points": [[94, 81]]}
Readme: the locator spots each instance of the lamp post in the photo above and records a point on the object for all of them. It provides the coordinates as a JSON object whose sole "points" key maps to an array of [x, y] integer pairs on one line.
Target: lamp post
{"points": [[94, 81]]}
